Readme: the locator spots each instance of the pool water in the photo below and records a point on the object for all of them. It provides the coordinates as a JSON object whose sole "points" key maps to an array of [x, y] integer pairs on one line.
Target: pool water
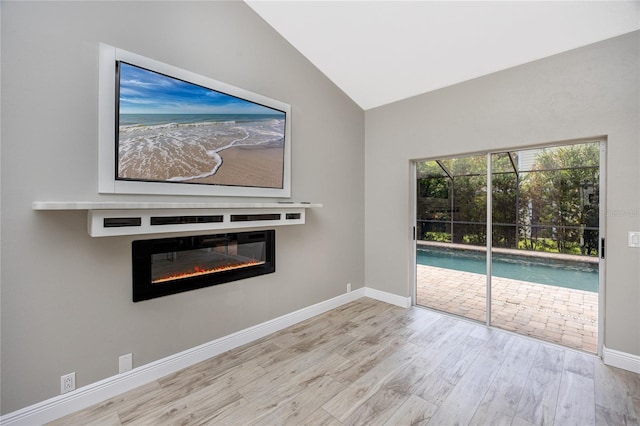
{"points": [[576, 275]]}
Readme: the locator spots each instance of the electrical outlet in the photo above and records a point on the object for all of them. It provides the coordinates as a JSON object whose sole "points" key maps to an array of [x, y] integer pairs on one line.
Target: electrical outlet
{"points": [[348, 287], [125, 363], [67, 383]]}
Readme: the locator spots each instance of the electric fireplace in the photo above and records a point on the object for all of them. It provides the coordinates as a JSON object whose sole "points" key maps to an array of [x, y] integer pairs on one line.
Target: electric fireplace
{"points": [[172, 265]]}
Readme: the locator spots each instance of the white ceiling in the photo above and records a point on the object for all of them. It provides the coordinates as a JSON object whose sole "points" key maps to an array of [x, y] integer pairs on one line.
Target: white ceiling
{"points": [[380, 52]]}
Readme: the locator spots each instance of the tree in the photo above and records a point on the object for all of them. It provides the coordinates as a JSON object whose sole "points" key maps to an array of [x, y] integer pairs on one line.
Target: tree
{"points": [[433, 202], [562, 192], [551, 205], [504, 201], [469, 199]]}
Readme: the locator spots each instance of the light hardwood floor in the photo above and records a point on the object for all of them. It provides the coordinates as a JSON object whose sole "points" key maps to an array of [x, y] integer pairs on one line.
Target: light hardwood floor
{"points": [[370, 363]]}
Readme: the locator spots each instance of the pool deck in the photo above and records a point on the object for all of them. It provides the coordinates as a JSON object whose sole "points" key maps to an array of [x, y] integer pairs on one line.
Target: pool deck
{"points": [[560, 315]]}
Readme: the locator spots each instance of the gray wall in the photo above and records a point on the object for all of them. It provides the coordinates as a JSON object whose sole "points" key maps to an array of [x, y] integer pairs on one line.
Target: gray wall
{"points": [[66, 297], [586, 92]]}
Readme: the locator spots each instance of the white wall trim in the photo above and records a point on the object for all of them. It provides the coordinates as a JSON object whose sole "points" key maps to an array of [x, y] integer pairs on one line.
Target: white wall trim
{"points": [[621, 360], [383, 296], [86, 396]]}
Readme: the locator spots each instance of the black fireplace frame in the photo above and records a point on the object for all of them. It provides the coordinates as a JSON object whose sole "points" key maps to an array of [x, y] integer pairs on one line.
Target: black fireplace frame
{"points": [[142, 250]]}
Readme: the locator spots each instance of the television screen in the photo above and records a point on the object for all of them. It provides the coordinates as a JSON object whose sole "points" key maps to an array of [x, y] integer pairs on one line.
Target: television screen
{"points": [[173, 131]]}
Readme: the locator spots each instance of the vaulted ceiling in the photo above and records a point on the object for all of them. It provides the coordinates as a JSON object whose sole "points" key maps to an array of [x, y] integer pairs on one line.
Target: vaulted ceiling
{"points": [[380, 52]]}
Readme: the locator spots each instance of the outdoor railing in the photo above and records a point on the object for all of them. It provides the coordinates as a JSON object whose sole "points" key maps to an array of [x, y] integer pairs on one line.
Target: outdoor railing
{"points": [[575, 239]]}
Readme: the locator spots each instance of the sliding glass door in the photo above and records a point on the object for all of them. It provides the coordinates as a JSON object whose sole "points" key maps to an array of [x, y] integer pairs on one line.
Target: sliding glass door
{"points": [[545, 227], [538, 274], [451, 235]]}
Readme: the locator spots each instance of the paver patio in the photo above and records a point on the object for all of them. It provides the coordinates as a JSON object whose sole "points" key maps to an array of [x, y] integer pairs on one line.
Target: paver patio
{"points": [[556, 314]]}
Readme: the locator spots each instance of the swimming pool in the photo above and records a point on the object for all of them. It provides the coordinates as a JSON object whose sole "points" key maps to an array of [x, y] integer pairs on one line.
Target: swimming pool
{"points": [[576, 275]]}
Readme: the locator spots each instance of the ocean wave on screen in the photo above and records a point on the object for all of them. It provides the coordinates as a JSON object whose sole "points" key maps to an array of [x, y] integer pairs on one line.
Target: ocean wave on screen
{"points": [[181, 152], [155, 127]]}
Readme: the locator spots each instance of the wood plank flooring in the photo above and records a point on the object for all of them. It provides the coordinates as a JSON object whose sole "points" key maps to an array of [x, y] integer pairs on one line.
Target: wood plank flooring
{"points": [[370, 363]]}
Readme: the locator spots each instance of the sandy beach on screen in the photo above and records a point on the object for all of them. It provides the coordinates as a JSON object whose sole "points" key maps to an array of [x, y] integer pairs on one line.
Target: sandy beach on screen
{"points": [[249, 165]]}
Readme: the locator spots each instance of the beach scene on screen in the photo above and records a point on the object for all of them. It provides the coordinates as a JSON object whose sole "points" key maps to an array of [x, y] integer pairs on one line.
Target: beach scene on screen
{"points": [[170, 130]]}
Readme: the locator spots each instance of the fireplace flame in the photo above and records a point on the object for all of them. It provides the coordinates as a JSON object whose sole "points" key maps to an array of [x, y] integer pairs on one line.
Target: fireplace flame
{"points": [[198, 271]]}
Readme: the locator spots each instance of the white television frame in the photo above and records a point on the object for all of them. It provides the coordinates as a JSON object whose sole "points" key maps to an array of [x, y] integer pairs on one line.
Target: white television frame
{"points": [[107, 182]]}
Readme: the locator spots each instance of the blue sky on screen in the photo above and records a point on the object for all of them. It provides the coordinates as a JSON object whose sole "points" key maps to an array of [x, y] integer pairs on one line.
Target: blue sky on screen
{"points": [[147, 92]]}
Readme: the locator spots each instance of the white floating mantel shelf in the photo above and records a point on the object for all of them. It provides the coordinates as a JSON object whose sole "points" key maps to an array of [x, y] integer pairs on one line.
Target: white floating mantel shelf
{"points": [[112, 218]]}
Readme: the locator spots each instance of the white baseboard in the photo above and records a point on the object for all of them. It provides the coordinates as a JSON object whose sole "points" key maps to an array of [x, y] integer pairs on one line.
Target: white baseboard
{"points": [[621, 360], [383, 296], [86, 396]]}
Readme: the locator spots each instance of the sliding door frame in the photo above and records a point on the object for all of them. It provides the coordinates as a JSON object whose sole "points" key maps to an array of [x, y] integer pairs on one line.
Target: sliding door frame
{"points": [[413, 218], [413, 238], [602, 234]]}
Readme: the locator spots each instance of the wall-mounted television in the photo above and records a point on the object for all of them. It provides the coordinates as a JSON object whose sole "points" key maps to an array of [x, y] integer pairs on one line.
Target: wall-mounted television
{"points": [[165, 130]]}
